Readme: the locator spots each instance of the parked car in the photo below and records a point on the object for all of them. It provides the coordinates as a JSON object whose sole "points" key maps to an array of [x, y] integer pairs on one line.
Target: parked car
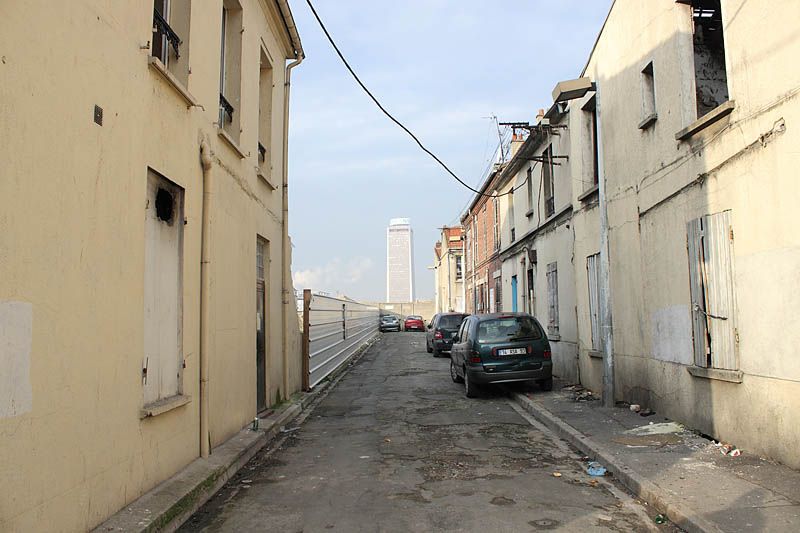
{"points": [[500, 348], [389, 323], [439, 338], [414, 323]]}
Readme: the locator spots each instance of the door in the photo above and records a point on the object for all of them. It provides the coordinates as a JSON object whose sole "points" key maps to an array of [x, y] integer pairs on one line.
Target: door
{"points": [[531, 302], [261, 328], [514, 294]]}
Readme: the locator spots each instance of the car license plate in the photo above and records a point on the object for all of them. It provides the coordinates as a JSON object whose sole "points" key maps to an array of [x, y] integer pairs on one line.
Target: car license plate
{"points": [[512, 351]]}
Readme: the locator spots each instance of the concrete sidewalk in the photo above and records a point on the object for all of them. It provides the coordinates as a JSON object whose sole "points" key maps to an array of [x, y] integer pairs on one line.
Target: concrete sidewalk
{"points": [[678, 472]]}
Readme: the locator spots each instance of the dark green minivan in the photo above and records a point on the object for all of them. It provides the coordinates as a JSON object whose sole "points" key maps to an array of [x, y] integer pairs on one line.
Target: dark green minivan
{"points": [[500, 348]]}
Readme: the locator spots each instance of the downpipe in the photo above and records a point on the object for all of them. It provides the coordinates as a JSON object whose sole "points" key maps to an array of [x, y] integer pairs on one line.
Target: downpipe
{"points": [[286, 297], [205, 289]]}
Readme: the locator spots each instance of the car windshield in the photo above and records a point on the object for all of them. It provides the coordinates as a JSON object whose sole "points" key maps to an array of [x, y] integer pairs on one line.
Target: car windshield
{"points": [[513, 328], [450, 321]]}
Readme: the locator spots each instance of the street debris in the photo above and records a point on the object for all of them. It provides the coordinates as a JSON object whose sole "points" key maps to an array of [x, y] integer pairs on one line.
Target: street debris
{"points": [[660, 519], [290, 430], [556, 474], [596, 469], [646, 412], [578, 393], [594, 483], [727, 449], [604, 518], [635, 407]]}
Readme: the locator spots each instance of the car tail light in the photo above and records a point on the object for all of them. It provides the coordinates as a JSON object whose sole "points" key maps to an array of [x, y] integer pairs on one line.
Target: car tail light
{"points": [[474, 357], [438, 336], [547, 354], [529, 349]]}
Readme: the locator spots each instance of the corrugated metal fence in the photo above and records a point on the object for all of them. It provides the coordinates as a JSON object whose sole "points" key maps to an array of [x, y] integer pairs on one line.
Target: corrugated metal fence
{"points": [[333, 329]]}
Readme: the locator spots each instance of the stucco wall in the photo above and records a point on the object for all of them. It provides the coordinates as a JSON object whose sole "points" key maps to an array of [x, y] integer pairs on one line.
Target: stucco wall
{"points": [[72, 250], [745, 164]]}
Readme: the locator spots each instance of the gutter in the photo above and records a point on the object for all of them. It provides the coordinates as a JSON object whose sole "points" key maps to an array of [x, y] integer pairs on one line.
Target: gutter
{"points": [[291, 28]]}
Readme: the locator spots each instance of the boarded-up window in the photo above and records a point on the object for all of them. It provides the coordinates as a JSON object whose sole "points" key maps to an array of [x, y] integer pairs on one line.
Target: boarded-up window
{"points": [[593, 273], [163, 291], [710, 245], [552, 299]]}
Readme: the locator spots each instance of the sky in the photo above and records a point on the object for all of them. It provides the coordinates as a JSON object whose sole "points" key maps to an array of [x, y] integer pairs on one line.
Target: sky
{"points": [[441, 67]]}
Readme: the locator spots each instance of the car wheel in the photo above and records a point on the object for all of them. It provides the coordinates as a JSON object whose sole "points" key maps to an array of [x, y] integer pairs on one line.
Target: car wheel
{"points": [[454, 373], [436, 352], [545, 384], [428, 348], [470, 389]]}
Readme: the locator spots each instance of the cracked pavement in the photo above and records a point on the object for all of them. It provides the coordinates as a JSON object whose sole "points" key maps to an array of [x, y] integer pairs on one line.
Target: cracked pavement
{"points": [[396, 446]]}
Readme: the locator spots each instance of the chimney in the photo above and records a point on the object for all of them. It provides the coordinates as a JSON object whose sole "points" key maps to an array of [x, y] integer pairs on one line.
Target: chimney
{"points": [[540, 116], [516, 142]]}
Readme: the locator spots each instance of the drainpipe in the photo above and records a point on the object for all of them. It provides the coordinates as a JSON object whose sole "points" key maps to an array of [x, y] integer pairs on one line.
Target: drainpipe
{"points": [[604, 281], [205, 289], [286, 283]]}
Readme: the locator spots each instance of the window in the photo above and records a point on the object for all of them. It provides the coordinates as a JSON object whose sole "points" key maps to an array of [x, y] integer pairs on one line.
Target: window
{"points": [[711, 77], [496, 207], [547, 170], [230, 69], [498, 299], [171, 36], [459, 270], [264, 112], [529, 182], [475, 234], [552, 299], [531, 303], [593, 272], [509, 329], [710, 246], [467, 246], [649, 115], [485, 232], [511, 215], [590, 156], [162, 366]]}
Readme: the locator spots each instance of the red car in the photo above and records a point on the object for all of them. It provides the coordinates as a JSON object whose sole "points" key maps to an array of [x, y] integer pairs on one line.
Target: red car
{"points": [[414, 323]]}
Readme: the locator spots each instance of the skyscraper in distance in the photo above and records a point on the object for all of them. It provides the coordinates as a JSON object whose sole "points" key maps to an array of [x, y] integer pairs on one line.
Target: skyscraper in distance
{"points": [[399, 261]]}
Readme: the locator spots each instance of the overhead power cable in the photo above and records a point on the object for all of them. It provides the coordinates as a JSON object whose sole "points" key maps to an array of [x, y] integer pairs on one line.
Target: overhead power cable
{"points": [[390, 116]]}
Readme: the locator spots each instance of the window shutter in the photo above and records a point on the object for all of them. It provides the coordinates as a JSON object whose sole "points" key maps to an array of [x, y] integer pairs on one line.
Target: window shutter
{"points": [[592, 270]]}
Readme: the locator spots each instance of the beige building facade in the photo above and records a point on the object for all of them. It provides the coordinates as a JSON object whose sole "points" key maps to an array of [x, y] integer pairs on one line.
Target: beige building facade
{"points": [[695, 108], [146, 307], [448, 271]]}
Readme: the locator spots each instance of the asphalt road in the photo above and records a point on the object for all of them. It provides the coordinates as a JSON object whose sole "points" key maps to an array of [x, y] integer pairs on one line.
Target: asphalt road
{"points": [[396, 446]]}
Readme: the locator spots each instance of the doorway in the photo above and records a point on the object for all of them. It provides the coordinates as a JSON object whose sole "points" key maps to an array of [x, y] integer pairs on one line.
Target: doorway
{"points": [[261, 324]]}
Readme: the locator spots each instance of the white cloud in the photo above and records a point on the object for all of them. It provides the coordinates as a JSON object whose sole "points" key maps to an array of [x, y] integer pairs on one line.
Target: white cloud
{"points": [[334, 276]]}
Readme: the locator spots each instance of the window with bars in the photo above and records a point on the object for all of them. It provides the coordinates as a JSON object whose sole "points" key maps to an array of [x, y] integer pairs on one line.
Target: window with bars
{"points": [[459, 269], [552, 298]]}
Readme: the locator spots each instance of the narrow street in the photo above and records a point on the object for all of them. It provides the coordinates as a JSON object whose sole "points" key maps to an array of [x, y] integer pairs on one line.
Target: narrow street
{"points": [[396, 446]]}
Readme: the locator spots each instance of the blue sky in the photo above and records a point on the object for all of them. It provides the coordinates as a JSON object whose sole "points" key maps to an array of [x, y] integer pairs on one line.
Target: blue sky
{"points": [[441, 67]]}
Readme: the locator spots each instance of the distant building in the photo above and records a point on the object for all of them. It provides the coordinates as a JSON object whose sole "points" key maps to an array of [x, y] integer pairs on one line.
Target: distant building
{"points": [[399, 261]]}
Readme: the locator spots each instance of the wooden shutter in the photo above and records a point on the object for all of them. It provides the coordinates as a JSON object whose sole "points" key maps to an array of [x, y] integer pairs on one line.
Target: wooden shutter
{"points": [[592, 270], [552, 297], [710, 247]]}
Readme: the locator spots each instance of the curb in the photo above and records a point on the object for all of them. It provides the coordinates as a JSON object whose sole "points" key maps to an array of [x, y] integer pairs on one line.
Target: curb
{"points": [[169, 504], [680, 515]]}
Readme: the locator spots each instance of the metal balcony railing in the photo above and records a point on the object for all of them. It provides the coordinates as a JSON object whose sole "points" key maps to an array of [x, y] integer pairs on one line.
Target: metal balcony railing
{"points": [[225, 111], [163, 32]]}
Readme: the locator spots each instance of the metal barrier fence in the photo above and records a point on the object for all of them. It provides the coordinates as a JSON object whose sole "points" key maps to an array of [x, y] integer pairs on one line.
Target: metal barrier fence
{"points": [[333, 329]]}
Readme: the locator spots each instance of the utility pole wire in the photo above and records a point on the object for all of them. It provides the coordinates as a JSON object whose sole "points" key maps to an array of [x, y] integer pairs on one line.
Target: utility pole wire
{"points": [[389, 115]]}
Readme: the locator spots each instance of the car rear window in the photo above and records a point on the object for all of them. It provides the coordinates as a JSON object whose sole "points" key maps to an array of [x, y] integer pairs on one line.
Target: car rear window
{"points": [[451, 321], [508, 329]]}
